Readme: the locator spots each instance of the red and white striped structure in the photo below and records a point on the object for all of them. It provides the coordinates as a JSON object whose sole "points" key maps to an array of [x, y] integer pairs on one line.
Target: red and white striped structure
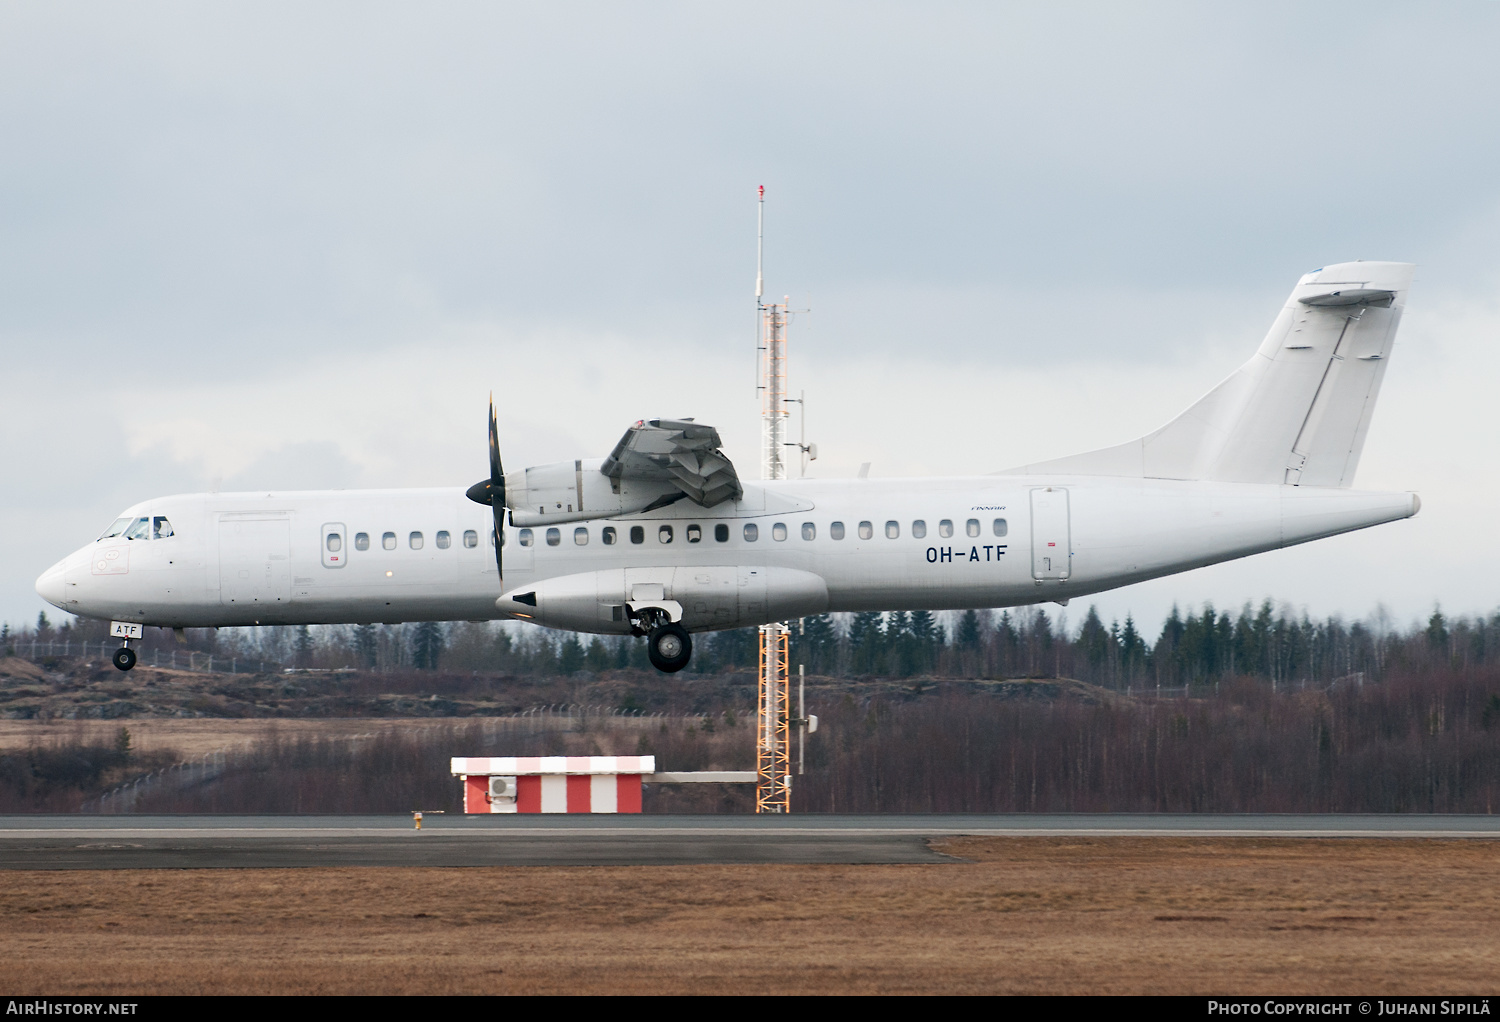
{"points": [[552, 784]]}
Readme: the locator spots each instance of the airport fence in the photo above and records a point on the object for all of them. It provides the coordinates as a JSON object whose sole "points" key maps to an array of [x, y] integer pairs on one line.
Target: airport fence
{"points": [[174, 659]]}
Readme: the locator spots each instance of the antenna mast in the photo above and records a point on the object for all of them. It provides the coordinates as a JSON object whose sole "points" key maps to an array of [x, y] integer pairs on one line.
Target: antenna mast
{"points": [[773, 745]]}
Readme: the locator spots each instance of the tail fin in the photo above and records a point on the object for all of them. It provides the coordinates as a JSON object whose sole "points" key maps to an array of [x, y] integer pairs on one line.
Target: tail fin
{"points": [[1298, 411]]}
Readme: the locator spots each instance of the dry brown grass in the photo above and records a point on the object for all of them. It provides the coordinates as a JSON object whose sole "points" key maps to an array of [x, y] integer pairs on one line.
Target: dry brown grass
{"points": [[1023, 915], [195, 736]]}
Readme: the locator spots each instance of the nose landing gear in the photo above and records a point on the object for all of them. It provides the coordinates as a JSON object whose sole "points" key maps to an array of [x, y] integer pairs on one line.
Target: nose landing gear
{"points": [[124, 657], [669, 647]]}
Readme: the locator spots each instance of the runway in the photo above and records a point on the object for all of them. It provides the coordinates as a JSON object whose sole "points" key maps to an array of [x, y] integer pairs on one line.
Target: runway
{"points": [[205, 842]]}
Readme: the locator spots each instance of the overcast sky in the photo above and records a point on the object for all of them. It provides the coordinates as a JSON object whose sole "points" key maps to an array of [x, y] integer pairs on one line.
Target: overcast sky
{"points": [[285, 246]]}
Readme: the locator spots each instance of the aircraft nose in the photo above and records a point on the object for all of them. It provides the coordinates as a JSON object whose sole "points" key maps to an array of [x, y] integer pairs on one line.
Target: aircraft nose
{"points": [[52, 586], [59, 583]]}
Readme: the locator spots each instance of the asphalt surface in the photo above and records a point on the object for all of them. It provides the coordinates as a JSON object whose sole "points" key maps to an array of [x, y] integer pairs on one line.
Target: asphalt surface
{"points": [[206, 842]]}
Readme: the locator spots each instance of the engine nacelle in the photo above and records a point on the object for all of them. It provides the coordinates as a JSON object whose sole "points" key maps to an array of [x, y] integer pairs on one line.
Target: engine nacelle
{"points": [[702, 599], [572, 491]]}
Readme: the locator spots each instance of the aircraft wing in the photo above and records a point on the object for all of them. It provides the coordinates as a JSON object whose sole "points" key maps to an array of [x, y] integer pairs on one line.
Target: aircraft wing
{"points": [[679, 452]]}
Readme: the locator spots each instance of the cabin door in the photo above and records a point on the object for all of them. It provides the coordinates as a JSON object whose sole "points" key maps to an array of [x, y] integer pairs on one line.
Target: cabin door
{"points": [[255, 566], [1051, 550]]}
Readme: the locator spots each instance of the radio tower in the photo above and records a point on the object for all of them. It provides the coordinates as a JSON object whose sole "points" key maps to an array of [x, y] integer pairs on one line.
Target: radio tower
{"points": [[773, 747]]}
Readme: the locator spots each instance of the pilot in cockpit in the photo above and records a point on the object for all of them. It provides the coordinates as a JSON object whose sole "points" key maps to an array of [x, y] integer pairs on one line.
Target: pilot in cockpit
{"points": [[140, 528]]}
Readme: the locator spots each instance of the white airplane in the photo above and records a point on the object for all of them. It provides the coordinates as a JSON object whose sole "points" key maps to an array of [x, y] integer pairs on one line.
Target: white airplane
{"points": [[662, 538]]}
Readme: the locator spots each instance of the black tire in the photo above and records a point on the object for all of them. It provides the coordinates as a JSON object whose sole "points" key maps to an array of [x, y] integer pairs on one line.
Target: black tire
{"points": [[670, 648], [124, 658]]}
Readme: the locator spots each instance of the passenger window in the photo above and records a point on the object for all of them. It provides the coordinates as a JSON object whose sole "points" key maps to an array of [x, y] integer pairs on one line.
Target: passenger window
{"points": [[388, 540], [809, 530], [1000, 527], [695, 534], [161, 528], [117, 529], [751, 532], [580, 536], [637, 534], [866, 530], [526, 537], [140, 530], [919, 529], [415, 539], [836, 530], [335, 542], [610, 535], [664, 534], [444, 540], [361, 541], [972, 526], [778, 531], [892, 530], [471, 539], [945, 528], [721, 533], [554, 536]]}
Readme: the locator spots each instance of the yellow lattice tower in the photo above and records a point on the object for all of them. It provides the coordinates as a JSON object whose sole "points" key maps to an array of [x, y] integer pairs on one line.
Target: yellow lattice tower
{"points": [[773, 745]]}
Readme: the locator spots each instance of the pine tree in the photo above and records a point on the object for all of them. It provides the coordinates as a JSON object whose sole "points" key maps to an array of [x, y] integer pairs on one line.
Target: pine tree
{"points": [[924, 640], [866, 642], [366, 645], [1039, 644], [1437, 629], [1133, 652], [304, 646], [1164, 654], [570, 655], [814, 643], [427, 645], [598, 657], [968, 630], [1007, 646], [1094, 644]]}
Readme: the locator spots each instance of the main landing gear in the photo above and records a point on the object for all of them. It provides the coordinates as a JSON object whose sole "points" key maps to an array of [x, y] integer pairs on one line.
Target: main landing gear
{"points": [[670, 647], [124, 658], [668, 644]]}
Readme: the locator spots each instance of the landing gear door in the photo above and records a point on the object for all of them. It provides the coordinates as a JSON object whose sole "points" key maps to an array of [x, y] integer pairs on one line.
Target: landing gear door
{"points": [[1051, 549]]}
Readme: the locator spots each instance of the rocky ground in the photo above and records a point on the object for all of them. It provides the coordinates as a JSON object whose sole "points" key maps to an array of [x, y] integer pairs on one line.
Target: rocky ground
{"points": [[64, 688]]}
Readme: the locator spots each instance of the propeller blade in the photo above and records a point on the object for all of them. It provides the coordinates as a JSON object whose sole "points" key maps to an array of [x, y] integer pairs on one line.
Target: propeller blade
{"points": [[497, 491]]}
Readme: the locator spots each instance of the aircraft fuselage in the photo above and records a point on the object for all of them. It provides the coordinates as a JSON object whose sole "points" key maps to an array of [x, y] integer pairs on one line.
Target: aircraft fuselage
{"points": [[787, 549]]}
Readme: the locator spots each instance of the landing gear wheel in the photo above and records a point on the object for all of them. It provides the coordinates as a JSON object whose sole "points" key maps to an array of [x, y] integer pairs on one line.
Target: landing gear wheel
{"points": [[670, 648], [124, 658]]}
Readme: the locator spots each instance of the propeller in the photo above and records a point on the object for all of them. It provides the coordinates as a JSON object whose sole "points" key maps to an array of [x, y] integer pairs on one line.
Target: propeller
{"points": [[491, 491]]}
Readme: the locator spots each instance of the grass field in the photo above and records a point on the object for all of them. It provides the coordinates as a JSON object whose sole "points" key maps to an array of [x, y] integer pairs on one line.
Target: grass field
{"points": [[1049, 915]]}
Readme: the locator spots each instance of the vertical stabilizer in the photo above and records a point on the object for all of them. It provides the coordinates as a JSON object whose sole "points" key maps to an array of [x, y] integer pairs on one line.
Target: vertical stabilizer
{"points": [[1298, 411]]}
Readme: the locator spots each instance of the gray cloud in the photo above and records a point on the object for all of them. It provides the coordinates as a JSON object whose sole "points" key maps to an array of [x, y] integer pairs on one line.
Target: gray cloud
{"points": [[194, 195]]}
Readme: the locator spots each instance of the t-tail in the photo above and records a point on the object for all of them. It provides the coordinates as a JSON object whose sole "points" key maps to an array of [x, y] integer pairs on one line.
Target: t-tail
{"points": [[1297, 413]]}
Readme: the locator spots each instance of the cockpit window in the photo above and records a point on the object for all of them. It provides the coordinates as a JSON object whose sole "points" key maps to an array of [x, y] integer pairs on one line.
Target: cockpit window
{"points": [[161, 528], [117, 529], [140, 529]]}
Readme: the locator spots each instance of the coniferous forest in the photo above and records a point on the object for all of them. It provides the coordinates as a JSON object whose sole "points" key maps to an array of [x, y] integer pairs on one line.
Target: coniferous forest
{"points": [[1262, 710]]}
